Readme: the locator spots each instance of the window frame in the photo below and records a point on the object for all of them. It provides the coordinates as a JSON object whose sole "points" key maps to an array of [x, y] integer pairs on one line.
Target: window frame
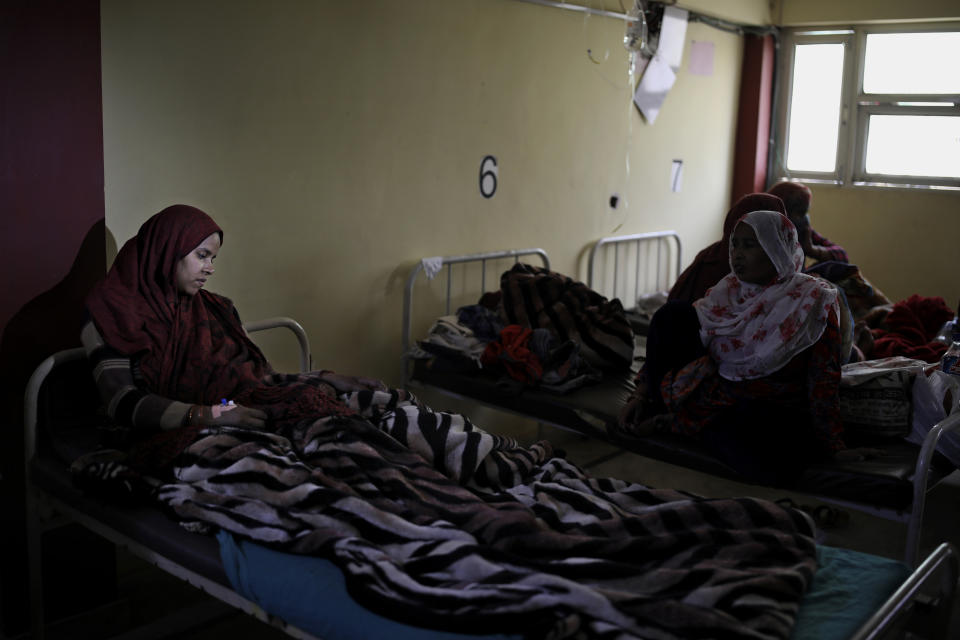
{"points": [[856, 107]]}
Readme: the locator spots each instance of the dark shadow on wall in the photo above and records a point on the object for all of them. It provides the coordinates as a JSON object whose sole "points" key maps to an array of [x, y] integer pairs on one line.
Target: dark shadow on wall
{"points": [[82, 568]]}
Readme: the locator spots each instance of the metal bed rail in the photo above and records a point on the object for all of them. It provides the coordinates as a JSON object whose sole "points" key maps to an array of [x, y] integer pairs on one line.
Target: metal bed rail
{"points": [[921, 486], [283, 322], [651, 261], [942, 563], [45, 511], [446, 263], [912, 519]]}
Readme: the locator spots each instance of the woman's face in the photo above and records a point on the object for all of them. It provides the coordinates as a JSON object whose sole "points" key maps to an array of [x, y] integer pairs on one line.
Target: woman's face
{"points": [[749, 261], [195, 267]]}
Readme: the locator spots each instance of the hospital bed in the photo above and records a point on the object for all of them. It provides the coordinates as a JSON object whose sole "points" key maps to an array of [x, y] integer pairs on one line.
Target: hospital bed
{"points": [[853, 594], [893, 486]]}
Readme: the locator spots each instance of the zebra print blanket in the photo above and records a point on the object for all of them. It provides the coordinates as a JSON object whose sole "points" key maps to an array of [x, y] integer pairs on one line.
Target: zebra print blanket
{"points": [[436, 522]]}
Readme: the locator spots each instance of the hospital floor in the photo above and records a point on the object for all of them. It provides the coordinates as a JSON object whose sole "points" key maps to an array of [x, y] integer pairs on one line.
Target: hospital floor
{"points": [[149, 594]]}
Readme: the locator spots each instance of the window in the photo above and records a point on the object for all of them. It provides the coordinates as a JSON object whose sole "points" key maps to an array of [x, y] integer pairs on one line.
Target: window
{"points": [[870, 105]]}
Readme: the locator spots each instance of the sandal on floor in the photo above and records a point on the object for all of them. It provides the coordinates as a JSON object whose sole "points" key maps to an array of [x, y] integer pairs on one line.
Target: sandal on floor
{"points": [[825, 517], [830, 517]]}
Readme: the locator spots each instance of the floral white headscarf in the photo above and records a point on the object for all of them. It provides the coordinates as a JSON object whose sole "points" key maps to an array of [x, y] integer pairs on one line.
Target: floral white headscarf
{"points": [[753, 330]]}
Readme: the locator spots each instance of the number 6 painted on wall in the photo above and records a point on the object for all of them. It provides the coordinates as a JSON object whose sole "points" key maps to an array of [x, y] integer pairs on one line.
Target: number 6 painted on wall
{"points": [[488, 176]]}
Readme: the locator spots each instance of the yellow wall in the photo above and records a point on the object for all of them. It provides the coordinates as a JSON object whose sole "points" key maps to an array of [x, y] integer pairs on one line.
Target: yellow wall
{"points": [[789, 13], [337, 143], [904, 241]]}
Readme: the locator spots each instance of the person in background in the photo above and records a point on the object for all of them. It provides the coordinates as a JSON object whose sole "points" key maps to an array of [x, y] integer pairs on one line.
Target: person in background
{"points": [[796, 198], [713, 263], [753, 368]]}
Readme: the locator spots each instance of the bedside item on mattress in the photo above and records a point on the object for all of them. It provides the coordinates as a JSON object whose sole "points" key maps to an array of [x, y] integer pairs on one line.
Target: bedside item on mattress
{"points": [[875, 396], [451, 346], [936, 395], [648, 303]]}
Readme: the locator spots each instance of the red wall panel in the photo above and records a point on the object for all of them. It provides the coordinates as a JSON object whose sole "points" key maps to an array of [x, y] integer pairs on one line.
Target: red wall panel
{"points": [[753, 119]]}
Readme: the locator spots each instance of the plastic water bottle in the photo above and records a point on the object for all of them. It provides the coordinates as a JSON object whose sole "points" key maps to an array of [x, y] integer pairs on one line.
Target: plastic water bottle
{"points": [[943, 335], [950, 362]]}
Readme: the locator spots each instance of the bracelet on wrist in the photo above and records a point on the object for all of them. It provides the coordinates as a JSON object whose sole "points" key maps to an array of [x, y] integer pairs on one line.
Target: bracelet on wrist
{"points": [[193, 415]]}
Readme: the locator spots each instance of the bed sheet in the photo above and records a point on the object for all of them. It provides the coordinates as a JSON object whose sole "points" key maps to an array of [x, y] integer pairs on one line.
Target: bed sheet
{"points": [[310, 593]]}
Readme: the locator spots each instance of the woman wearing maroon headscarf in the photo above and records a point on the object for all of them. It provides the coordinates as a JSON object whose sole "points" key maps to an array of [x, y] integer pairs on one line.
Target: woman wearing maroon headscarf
{"points": [[796, 198], [713, 263], [167, 353]]}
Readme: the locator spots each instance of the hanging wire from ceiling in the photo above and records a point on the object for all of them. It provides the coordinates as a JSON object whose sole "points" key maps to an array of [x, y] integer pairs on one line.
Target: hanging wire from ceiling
{"points": [[717, 23]]}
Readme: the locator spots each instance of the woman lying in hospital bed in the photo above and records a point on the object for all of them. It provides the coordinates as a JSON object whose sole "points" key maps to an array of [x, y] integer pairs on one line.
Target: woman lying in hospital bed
{"points": [[430, 518]]}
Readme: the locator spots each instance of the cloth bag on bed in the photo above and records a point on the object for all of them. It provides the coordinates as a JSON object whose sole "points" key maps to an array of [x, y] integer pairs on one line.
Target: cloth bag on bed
{"points": [[537, 298], [875, 396]]}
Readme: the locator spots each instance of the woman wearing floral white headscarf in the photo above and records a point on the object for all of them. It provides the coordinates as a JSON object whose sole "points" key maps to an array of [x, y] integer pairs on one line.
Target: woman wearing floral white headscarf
{"points": [[755, 320], [753, 367]]}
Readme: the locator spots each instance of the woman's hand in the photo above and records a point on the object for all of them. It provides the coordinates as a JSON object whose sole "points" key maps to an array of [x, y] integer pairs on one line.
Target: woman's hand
{"points": [[856, 454], [234, 415], [346, 384], [631, 413], [805, 237], [863, 338]]}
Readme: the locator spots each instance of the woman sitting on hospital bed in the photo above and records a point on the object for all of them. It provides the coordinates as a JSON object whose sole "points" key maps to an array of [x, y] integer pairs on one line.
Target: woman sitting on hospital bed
{"points": [[753, 368], [168, 353], [428, 517]]}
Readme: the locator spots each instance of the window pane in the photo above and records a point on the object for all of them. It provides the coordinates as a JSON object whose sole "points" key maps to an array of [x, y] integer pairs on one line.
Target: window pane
{"points": [[914, 146], [912, 63], [815, 107]]}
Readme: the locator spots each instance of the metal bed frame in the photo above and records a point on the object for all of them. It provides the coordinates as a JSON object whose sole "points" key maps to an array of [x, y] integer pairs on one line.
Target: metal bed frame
{"points": [[942, 563], [938, 571], [630, 253], [633, 263], [485, 260], [651, 261], [46, 511]]}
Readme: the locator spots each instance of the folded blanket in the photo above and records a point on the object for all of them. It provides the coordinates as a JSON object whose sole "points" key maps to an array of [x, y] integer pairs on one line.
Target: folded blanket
{"points": [[534, 297], [910, 329]]}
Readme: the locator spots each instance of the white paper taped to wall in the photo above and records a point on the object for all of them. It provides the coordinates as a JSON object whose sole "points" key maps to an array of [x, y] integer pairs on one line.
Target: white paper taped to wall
{"points": [[653, 87], [701, 58], [673, 32]]}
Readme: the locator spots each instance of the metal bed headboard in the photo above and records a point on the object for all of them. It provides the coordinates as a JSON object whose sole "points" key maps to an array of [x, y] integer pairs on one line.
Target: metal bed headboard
{"points": [[447, 262], [643, 259], [38, 502]]}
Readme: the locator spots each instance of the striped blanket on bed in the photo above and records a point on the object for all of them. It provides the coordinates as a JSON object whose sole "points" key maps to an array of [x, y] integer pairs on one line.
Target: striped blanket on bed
{"points": [[538, 298], [436, 522]]}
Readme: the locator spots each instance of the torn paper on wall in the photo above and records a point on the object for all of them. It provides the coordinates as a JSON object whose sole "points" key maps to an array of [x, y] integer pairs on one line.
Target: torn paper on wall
{"points": [[673, 33], [657, 80]]}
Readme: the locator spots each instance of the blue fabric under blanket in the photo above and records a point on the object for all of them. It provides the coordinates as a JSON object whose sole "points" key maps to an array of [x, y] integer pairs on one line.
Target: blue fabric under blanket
{"points": [[848, 587], [310, 593]]}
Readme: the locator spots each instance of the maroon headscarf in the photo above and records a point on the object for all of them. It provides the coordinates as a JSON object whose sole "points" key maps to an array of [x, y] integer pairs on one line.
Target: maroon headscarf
{"points": [[796, 196], [190, 348], [713, 263]]}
